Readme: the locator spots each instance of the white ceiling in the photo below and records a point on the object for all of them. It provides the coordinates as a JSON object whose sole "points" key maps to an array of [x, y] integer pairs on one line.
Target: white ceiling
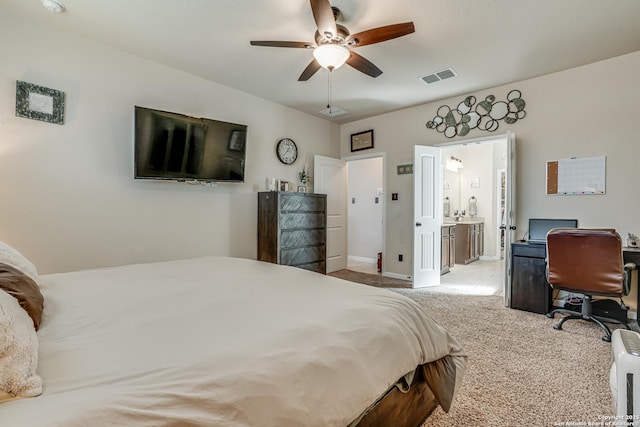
{"points": [[486, 42]]}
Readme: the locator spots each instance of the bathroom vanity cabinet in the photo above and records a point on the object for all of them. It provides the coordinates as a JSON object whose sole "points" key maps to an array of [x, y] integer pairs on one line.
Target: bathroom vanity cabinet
{"points": [[469, 241]]}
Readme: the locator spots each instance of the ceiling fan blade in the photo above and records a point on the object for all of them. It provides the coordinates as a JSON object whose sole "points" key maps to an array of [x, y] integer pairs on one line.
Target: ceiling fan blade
{"points": [[311, 69], [305, 45], [380, 34], [323, 15], [362, 64]]}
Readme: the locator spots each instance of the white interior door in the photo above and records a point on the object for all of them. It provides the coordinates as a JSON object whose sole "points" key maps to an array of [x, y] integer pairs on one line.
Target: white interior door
{"points": [[510, 213], [501, 211], [427, 181], [330, 178]]}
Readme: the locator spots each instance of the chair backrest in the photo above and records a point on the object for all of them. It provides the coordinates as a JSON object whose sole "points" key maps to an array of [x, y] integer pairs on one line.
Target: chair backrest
{"points": [[587, 261]]}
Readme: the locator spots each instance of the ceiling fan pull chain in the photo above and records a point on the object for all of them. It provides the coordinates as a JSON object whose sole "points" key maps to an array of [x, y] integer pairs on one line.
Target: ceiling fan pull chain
{"points": [[329, 94]]}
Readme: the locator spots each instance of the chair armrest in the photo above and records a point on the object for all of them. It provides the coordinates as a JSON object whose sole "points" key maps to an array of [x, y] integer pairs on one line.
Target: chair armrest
{"points": [[628, 268]]}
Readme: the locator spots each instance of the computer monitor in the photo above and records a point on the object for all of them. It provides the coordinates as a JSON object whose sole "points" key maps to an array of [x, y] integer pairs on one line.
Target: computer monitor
{"points": [[539, 227]]}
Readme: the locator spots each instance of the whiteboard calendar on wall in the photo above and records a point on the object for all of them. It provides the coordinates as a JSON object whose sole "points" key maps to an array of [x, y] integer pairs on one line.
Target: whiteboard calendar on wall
{"points": [[577, 176]]}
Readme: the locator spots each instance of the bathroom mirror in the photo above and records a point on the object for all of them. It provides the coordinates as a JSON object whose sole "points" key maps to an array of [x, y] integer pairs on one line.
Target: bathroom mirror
{"points": [[451, 183]]}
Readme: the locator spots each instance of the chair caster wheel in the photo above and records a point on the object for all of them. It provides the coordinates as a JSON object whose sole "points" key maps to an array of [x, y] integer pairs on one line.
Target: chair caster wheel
{"points": [[557, 327], [549, 315]]}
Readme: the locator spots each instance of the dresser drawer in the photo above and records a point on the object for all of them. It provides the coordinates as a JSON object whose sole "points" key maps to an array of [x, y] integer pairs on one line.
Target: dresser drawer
{"points": [[318, 267], [300, 203], [296, 238], [529, 250], [304, 255], [293, 221]]}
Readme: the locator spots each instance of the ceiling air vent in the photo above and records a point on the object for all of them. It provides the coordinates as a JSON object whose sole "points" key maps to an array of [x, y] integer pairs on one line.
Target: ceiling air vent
{"points": [[333, 112], [447, 73]]}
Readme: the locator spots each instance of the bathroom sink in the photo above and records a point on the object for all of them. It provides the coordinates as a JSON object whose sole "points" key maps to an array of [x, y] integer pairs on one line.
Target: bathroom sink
{"points": [[463, 220]]}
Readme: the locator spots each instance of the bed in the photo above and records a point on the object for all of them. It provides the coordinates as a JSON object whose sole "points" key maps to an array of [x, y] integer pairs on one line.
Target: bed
{"points": [[219, 341]]}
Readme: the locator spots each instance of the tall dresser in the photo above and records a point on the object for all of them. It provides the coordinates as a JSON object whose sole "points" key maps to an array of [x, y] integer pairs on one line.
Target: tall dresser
{"points": [[292, 229]]}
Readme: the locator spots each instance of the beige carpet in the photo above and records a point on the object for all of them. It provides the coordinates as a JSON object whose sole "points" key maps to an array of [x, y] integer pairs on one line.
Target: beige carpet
{"points": [[521, 371]]}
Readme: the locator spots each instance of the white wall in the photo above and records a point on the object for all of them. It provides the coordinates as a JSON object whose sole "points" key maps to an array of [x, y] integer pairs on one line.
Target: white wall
{"points": [[69, 197], [586, 111], [365, 215]]}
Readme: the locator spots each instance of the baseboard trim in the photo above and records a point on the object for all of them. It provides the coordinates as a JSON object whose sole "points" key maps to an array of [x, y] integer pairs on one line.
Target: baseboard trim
{"points": [[397, 276], [375, 261], [362, 259]]}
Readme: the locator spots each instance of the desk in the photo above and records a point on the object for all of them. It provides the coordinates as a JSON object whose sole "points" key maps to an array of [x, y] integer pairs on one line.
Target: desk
{"points": [[633, 255], [530, 290]]}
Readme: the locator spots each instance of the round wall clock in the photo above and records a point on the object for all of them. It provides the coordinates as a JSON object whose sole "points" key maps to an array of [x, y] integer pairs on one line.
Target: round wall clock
{"points": [[287, 151]]}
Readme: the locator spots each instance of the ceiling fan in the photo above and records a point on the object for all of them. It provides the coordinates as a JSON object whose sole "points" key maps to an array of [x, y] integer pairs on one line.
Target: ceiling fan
{"points": [[333, 42]]}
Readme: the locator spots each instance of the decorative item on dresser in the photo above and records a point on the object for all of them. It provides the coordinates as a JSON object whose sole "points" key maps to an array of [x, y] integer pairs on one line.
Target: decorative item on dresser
{"points": [[292, 229]]}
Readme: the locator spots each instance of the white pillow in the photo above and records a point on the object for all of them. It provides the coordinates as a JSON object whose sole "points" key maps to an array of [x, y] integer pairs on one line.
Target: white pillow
{"points": [[18, 350], [15, 259]]}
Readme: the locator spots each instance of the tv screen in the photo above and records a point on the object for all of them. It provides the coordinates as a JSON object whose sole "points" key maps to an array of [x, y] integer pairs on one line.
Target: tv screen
{"points": [[174, 146], [539, 227]]}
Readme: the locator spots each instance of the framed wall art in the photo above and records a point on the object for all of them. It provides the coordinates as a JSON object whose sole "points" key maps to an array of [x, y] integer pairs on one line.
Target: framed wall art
{"points": [[362, 140], [39, 103]]}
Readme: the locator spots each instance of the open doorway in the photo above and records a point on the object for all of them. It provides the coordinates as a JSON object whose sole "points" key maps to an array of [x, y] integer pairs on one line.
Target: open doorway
{"points": [[474, 200], [365, 213]]}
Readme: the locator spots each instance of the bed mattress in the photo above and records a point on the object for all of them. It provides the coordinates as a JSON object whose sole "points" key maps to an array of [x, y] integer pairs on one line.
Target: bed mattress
{"points": [[226, 342]]}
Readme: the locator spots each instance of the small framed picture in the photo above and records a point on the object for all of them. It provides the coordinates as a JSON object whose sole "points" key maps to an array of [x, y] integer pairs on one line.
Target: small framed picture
{"points": [[284, 185], [362, 140], [39, 103], [302, 189]]}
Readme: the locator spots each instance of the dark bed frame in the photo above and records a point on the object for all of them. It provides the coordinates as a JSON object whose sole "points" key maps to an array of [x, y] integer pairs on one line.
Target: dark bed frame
{"points": [[400, 409]]}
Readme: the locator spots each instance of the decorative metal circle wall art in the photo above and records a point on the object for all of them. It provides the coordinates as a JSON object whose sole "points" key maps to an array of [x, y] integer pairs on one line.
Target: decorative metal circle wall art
{"points": [[484, 115]]}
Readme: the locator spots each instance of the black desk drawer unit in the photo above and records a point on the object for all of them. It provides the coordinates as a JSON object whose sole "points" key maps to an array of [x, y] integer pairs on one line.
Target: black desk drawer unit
{"points": [[530, 290], [292, 229]]}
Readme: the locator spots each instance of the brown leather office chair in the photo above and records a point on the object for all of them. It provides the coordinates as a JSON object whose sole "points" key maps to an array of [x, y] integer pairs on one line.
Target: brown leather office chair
{"points": [[589, 262]]}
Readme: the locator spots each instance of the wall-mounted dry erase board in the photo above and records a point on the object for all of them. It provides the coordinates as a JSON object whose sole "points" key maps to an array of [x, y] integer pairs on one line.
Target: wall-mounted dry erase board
{"points": [[577, 176]]}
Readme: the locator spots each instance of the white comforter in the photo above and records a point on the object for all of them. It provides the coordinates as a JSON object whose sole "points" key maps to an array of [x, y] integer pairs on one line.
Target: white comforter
{"points": [[219, 341]]}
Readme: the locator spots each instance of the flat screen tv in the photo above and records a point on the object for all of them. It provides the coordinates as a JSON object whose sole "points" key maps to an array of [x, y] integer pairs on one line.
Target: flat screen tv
{"points": [[539, 227], [172, 146]]}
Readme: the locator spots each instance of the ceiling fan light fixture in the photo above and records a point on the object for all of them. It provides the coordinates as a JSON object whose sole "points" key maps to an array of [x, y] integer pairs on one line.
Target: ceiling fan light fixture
{"points": [[331, 55]]}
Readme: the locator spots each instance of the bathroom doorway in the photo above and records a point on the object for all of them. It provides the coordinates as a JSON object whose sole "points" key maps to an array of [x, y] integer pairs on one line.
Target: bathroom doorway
{"points": [[474, 190]]}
